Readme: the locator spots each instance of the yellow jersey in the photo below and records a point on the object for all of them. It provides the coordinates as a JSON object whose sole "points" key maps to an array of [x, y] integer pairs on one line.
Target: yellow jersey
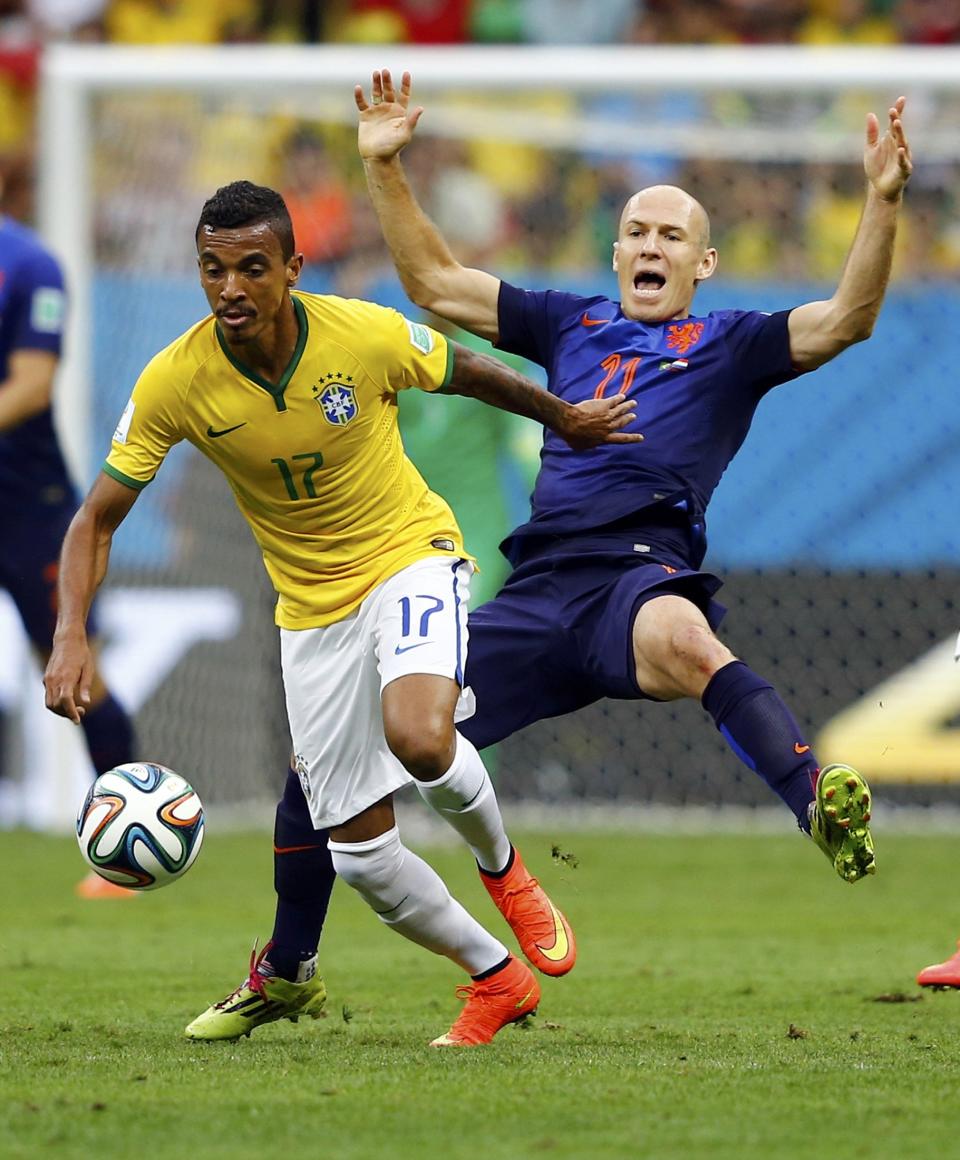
{"points": [[315, 461]]}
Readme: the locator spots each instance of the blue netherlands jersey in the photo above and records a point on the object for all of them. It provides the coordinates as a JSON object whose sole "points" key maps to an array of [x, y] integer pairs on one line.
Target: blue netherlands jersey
{"points": [[31, 318], [696, 382]]}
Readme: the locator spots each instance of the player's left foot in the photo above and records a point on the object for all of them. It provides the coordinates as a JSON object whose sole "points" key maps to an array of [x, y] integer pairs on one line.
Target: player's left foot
{"points": [[506, 997], [544, 934], [838, 822], [942, 975], [93, 886], [260, 998]]}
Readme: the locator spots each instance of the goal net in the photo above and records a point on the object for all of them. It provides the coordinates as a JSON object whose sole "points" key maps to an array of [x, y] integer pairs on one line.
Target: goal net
{"points": [[836, 529]]}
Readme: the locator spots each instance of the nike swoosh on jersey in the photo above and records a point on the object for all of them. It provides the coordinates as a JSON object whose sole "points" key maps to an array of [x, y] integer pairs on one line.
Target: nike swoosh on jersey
{"points": [[407, 647], [560, 944], [586, 320], [212, 434], [798, 748]]}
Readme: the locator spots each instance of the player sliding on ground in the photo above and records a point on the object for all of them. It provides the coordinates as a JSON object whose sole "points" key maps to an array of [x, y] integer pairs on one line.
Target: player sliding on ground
{"points": [[614, 546], [294, 397], [606, 598]]}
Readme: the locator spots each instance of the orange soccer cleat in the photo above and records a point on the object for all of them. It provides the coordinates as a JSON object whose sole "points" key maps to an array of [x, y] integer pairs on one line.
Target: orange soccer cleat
{"points": [[942, 975], [506, 997], [93, 886], [544, 934]]}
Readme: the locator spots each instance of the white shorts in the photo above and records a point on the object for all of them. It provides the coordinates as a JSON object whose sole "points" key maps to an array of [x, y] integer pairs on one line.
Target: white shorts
{"points": [[414, 622]]}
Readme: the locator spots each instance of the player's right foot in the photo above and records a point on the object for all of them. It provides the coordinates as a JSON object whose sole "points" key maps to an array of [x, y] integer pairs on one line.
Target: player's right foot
{"points": [[259, 999], [838, 822], [544, 934], [942, 975], [506, 997], [93, 886]]}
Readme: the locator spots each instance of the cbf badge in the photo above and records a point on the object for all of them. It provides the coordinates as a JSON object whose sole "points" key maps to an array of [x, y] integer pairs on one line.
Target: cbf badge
{"points": [[338, 403], [300, 765]]}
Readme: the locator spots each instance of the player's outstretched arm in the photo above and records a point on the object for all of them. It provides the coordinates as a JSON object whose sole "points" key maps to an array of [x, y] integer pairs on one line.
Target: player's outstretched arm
{"points": [[821, 330], [83, 565], [585, 425], [430, 274]]}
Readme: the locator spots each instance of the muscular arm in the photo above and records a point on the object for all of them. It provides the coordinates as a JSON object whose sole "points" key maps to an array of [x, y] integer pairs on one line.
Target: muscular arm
{"points": [[582, 426], [431, 276], [83, 565], [28, 387], [821, 330]]}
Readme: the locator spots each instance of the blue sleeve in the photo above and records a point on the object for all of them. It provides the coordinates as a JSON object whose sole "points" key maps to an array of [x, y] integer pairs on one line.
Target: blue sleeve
{"points": [[39, 305], [529, 321], [760, 347]]}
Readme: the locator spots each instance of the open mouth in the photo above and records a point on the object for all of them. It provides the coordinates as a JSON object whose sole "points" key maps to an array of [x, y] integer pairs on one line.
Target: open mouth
{"points": [[648, 282]]}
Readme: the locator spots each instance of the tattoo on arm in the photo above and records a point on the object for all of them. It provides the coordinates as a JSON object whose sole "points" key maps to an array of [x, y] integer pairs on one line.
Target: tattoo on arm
{"points": [[481, 377]]}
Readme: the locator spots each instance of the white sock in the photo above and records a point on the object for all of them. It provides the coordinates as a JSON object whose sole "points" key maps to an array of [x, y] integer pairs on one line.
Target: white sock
{"points": [[464, 796], [305, 971], [411, 897]]}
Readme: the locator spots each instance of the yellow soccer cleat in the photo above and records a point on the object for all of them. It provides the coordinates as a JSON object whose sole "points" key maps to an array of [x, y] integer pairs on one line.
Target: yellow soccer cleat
{"points": [[838, 822], [260, 998]]}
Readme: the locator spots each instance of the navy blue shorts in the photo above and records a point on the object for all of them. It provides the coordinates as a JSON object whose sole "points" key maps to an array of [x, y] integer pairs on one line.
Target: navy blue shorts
{"points": [[558, 635], [30, 546]]}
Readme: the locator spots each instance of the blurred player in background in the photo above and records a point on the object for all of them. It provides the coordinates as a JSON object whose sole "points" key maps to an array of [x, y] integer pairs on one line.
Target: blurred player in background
{"points": [[616, 539], [945, 975], [294, 398], [37, 498]]}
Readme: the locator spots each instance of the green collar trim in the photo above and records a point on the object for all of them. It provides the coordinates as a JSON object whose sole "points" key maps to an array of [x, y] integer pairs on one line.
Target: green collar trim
{"points": [[274, 389]]}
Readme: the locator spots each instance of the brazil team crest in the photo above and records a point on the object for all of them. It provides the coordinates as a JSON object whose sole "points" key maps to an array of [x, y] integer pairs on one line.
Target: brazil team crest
{"points": [[338, 403]]}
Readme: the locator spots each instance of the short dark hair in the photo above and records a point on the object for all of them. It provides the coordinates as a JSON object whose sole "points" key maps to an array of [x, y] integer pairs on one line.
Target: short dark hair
{"points": [[241, 203]]}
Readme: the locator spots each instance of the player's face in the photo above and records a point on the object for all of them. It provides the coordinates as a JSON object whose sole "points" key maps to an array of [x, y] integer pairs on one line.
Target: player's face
{"points": [[661, 254], [245, 279]]}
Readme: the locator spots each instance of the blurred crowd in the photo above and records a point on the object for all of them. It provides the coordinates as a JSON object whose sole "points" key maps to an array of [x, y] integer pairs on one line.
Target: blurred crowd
{"points": [[484, 21], [505, 202]]}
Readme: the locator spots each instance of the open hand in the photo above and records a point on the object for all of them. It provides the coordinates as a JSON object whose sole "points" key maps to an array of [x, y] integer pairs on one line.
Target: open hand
{"points": [[886, 160], [386, 125], [597, 421]]}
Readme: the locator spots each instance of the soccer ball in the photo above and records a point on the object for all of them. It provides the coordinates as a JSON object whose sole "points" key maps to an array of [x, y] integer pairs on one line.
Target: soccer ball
{"points": [[140, 825]]}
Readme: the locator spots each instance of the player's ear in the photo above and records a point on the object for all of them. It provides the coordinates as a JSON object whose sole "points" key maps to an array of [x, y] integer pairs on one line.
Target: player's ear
{"points": [[707, 264], [294, 266], [616, 255]]}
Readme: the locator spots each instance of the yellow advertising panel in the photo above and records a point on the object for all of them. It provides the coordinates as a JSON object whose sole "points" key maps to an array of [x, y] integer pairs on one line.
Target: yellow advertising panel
{"points": [[903, 729]]}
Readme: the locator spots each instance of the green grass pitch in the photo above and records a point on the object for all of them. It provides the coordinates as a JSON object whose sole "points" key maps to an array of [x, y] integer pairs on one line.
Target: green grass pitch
{"points": [[732, 999]]}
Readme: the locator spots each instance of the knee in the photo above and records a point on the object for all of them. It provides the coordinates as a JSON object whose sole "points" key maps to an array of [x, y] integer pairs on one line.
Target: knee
{"points": [[425, 747], [695, 648], [369, 867], [691, 655]]}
